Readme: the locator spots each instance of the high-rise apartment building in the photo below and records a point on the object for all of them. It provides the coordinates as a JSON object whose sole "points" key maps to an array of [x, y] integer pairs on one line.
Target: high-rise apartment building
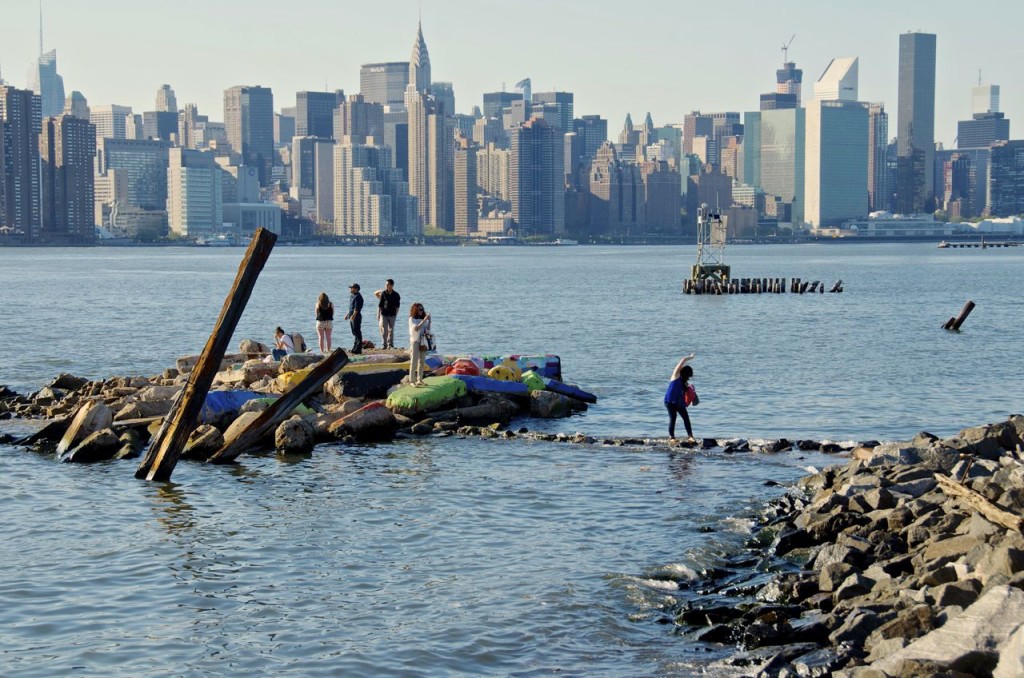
{"points": [[314, 113], [593, 131], [466, 211], [537, 183], [323, 195], [166, 102], [915, 132], [249, 120], [370, 198], [694, 125], [492, 171], [384, 83], [615, 200], [110, 121], [67, 146], [564, 102], [357, 118], [195, 204], [878, 144], [46, 82], [19, 158], [662, 197]]}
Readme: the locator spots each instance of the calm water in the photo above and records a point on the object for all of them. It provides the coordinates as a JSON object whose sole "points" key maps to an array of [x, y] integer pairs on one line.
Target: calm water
{"points": [[441, 555]]}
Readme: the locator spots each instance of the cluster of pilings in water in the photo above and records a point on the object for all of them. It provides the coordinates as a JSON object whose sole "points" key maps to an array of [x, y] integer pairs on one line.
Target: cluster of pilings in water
{"points": [[758, 286]]}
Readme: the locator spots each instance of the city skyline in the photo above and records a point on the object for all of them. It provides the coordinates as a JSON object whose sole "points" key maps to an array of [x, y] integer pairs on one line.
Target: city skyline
{"points": [[616, 62]]}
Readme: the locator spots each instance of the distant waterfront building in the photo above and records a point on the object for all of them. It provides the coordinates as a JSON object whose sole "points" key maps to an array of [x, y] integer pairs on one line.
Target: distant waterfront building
{"points": [[19, 157], [195, 204], [110, 121], [430, 146], [694, 125], [246, 218], [44, 80], [358, 118], [878, 145], [615, 200], [166, 102], [915, 134], [564, 103], [983, 130], [466, 211], [957, 185], [662, 190], [384, 83], [1006, 179], [725, 124], [836, 157], [323, 194], [67, 146], [249, 119], [492, 172], [160, 125], [773, 155], [284, 127], [314, 113], [444, 93], [537, 184], [629, 139], [77, 105], [143, 162]]}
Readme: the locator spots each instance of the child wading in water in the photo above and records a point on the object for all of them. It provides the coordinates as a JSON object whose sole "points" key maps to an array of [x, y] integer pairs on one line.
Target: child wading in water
{"points": [[675, 397]]}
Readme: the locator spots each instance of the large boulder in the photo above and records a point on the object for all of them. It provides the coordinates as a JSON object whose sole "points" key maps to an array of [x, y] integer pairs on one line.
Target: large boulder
{"points": [[238, 425], [294, 436], [98, 446], [252, 347], [363, 384], [68, 382], [144, 409], [548, 405], [203, 442], [91, 417], [374, 422], [155, 393], [969, 641], [299, 361]]}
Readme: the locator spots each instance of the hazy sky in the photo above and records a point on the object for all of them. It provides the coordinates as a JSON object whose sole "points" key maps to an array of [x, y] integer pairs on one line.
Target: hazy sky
{"points": [[664, 56]]}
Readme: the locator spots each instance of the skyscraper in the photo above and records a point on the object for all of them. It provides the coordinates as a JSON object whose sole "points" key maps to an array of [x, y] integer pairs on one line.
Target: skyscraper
{"points": [[46, 82], [836, 156], [465, 187], [839, 82], [987, 124], [195, 204], [19, 156], [249, 119], [878, 145], [314, 113], [166, 102], [1006, 179], [144, 162], [358, 118], [430, 147], [564, 102], [370, 198], [384, 83], [110, 121], [537, 183], [915, 133], [695, 125], [593, 130], [495, 103], [419, 63], [773, 155], [77, 105], [66, 146]]}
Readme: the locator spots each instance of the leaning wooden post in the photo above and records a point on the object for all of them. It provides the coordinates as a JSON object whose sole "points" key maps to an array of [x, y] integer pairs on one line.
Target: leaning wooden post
{"points": [[281, 408], [167, 445], [964, 312]]}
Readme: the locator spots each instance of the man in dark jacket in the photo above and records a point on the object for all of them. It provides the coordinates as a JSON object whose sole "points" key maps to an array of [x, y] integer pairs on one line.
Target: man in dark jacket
{"points": [[355, 317], [387, 309]]}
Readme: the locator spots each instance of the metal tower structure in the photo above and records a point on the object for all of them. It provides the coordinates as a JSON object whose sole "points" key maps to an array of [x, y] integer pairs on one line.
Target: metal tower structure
{"points": [[710, 246]]}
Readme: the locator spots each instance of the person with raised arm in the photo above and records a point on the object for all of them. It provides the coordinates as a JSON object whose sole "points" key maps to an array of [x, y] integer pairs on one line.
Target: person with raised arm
{"points": [[675, 397]]}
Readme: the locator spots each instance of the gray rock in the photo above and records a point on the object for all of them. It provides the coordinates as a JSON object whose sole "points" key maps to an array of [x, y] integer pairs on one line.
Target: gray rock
{"points": [[914, 488], [946, 550], [98, 446], [883, 648], [893, 454], [294, 436], [299, 361], [857, 627], [256, 405], [961, 593], [943, 574], [1011, 656], [203, 442], [818, 663], [833, 575], [68, 382], [548, 405], [153, 393], [91, 417], [969, 641], [853, 586], [1004, 560]]}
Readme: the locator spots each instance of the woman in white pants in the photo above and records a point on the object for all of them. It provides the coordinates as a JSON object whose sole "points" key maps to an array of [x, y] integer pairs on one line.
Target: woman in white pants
{"points": [[419, 324]]}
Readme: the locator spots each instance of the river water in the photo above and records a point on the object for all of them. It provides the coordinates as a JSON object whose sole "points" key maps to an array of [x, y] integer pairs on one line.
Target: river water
{"points": [[445, 556]]}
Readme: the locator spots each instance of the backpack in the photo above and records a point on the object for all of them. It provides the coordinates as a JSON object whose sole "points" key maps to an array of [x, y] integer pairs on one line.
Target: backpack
{"points": [[690, 396], [298, 342]]}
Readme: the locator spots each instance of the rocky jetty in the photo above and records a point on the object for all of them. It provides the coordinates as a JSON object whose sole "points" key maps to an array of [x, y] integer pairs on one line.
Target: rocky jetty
{"points": [[907, 561]]}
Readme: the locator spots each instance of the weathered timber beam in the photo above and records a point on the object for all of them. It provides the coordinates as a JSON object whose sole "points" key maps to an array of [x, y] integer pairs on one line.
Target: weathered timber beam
{"points": [[166, 447], [977, 502], [281, 408]]}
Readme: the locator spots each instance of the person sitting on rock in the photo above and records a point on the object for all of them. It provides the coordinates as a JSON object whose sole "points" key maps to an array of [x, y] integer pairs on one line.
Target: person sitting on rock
{"points": [[283, 344]]}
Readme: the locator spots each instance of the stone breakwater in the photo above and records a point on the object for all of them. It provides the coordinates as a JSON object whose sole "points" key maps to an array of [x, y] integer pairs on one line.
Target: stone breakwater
{"points": [[907, 561]]}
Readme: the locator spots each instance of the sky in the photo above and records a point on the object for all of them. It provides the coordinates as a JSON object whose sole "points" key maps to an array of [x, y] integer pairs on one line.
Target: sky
{"points": [[666, 57]]}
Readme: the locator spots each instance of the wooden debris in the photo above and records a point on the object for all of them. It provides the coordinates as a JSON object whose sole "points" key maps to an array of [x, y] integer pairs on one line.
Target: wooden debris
{"points": [[977, 502]]}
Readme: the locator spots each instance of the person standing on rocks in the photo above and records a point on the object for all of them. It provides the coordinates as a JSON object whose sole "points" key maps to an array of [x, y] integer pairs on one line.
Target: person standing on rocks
{"points": [[419, 324], [387, 311], [355, 317], [324, 322], [675, 397]]}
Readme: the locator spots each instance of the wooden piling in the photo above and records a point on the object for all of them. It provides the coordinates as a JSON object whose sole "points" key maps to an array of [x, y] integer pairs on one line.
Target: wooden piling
{"points": [[964, 312], [281, 408], [166, 447]]}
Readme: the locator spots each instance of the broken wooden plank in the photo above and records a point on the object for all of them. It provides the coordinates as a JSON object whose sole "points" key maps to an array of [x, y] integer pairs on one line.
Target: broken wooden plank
{"points": [[166, 447], [977, 502], [281, 408]]}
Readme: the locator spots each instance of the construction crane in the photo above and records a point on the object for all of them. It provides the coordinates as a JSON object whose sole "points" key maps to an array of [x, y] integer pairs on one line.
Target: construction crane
{"points": [[785, 50], [710, 247]]}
